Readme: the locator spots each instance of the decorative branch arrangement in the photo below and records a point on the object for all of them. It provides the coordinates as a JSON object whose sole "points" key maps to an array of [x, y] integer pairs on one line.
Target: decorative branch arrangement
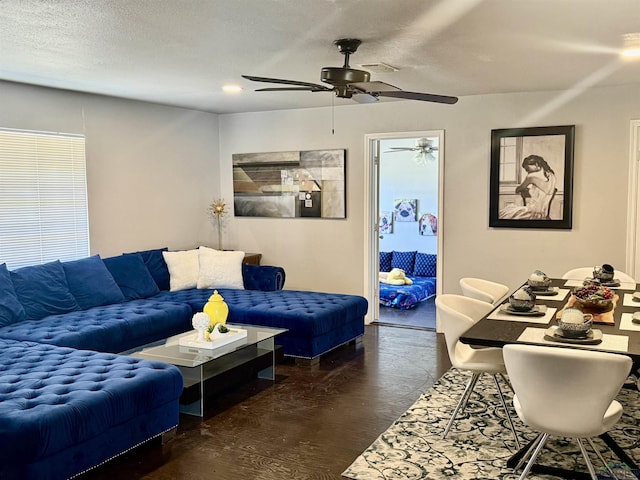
{"points": [[217, 210]]}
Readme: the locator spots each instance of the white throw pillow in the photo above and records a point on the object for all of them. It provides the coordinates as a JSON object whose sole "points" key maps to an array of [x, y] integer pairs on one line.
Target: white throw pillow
{"points": [[183, 269], [219, 269]]}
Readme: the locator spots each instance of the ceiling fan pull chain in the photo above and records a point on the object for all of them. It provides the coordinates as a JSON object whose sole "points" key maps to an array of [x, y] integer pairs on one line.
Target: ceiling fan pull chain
{"points": [[333, 115]]}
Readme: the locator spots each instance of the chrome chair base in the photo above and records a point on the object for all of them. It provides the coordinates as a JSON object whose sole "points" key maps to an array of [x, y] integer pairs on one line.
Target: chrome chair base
{"points": [[536, 447], [464, 399]]}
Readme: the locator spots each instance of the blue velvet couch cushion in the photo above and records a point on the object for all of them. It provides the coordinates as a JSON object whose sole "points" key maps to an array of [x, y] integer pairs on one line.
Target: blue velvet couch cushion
{"points": [[78, 408], [385, 261], [132, 276], [425, 265], [109, 328], [263, 277], [11, 310], [403, 260], [43, 290], [154, 261], [91, 283]]}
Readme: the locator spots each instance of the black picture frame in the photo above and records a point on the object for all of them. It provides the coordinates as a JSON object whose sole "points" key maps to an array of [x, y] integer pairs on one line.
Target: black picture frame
{"points": [[525, 192]]}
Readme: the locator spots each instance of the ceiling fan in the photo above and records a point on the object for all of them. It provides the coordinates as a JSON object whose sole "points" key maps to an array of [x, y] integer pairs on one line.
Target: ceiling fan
{"points": [[424, 150], [347, 82]]}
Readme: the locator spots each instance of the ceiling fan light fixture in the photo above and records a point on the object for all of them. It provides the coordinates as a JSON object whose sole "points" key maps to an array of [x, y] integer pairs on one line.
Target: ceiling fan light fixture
{"points": [[423, 158]]}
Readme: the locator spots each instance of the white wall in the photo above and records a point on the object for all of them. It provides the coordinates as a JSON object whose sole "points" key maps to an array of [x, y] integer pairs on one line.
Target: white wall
{"points": [[326, 255], [151, 170], [154, 169]]}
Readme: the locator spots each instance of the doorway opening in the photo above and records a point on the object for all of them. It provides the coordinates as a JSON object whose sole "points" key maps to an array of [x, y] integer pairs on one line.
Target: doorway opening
{"points": [[404, 228]]}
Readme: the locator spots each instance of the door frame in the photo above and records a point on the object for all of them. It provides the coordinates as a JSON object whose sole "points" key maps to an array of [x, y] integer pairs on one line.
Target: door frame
{"points": [[371, 202], [632, 266]]}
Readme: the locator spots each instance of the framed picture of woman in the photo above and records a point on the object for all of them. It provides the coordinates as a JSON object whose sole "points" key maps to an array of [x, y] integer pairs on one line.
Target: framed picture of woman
{"points": [[531, 183]]}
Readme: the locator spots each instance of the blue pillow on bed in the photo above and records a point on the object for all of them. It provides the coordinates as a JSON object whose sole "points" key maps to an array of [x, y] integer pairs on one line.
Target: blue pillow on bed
{"points": [[403, 260], [91, 283], [43, 290], [132, 276], [385, 261], [11, 310], [425, 265]]}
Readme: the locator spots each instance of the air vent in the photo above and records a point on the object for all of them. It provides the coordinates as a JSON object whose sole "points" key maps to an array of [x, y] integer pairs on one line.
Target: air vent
{"points": [[379, 67]]}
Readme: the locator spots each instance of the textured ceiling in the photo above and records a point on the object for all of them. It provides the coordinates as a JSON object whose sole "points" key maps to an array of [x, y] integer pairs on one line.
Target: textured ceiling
{"points": [[181, 52]]}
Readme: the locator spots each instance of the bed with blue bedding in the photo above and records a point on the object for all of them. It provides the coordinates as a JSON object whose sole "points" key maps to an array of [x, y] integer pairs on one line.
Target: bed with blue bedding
{"points": [[419, 267]]}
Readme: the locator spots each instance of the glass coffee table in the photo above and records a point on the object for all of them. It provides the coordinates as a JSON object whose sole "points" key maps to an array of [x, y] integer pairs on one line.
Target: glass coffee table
{"points": [[201, 365]]}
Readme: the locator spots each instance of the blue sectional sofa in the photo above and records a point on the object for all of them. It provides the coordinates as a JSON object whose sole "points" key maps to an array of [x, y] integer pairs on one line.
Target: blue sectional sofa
{"points": [[69, 401], [64, 411]]}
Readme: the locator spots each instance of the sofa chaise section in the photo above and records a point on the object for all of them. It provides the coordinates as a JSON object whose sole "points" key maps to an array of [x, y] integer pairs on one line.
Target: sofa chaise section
{"points": [[317, 322], [63, 411]]}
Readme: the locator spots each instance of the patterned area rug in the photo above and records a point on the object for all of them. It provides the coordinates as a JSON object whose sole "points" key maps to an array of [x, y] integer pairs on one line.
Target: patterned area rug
{"points": [[480, 441]]}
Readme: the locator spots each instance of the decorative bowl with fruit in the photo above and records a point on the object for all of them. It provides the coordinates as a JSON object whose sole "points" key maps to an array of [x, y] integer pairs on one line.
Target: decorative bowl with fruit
{"points": [[594, 298]]}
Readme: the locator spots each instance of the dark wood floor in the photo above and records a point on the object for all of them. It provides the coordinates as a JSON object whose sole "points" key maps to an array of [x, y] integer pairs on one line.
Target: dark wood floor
{"points": [[310, 425]]}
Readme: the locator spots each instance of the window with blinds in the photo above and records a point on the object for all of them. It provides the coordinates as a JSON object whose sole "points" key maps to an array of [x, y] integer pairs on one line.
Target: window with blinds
{"points": [[43, 198]]}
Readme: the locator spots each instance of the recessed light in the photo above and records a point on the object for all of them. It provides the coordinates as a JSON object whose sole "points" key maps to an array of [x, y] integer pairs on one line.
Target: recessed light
{"points": [[232, 89], [631, 45]]}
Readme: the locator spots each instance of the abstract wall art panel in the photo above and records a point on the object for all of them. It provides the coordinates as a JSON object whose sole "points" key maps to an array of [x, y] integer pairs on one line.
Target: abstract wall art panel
{"points": [[297, 184]]}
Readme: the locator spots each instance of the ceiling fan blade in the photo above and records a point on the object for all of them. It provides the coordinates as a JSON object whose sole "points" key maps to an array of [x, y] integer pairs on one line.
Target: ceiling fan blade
{"points": [[425, 97], [403, 149], [287, 82], [369, 87], [289, 89]]}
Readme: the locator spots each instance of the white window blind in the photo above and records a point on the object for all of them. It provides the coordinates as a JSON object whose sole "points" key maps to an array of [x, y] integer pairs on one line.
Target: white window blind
{"points": [[43, 198]]}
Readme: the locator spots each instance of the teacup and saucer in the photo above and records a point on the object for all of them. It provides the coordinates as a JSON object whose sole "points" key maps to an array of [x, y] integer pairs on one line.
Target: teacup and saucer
{"points": [[575, 324], [604, 273], [522, 300]]}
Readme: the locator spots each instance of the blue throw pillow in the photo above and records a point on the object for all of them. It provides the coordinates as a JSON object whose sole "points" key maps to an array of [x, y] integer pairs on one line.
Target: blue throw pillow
{"points": [[425, 265], [385, 261], [154, 261], [403, 260], [43, 290], [91, 283], [11, 310], [132, 276]]}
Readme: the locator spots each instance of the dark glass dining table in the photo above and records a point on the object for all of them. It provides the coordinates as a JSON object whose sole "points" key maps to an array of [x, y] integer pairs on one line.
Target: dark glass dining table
{"points": [[497, 333], [492, 332]]}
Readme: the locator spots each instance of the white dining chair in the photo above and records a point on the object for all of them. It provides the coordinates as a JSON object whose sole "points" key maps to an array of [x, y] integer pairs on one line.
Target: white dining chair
{"points": [[587, 272], [457, 314], [566, 393], [485, 290]]}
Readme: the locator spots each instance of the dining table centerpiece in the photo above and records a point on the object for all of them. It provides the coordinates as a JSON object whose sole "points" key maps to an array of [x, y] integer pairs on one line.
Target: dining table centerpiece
{"points": [[594, 298]]}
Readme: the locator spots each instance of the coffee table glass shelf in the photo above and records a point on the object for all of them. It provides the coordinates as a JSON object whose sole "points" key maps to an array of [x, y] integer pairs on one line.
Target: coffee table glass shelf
{"points": [[200, 365]]}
